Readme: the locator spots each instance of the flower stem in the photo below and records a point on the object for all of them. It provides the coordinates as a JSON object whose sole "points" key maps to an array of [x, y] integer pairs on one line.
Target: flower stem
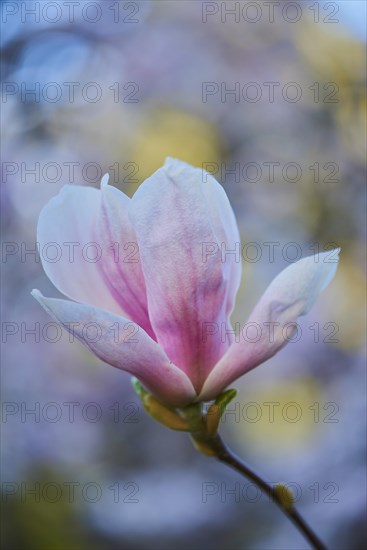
{"points": [[225, 455], [203, 431]]}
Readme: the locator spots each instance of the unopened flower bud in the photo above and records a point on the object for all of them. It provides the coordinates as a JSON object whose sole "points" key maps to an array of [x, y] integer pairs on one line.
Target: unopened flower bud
{"points": [[284, 496]]}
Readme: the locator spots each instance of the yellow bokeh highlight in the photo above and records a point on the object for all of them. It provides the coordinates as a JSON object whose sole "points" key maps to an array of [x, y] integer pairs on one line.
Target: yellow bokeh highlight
{"points": [[339, 63], [281, 417], [168, 132], [345, 304]]}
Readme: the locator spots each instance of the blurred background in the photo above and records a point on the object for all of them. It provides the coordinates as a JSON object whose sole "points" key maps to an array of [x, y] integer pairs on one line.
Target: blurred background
{"points": [[270, 97]]}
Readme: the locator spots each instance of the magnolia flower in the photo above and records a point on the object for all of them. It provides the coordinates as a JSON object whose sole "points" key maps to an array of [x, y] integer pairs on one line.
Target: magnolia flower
{"points": [[139, 276]]}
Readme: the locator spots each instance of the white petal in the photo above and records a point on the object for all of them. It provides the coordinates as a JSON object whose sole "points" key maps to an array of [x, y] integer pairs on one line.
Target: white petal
{"points": [[122, 344], [68, 246], [290, 295]]}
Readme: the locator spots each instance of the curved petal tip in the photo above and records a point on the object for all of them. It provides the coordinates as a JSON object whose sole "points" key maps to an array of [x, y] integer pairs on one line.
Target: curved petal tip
{"points": [[104, 180]]}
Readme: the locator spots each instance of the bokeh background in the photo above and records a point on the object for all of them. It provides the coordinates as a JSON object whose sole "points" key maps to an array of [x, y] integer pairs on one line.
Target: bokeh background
{"points": [[88, 469]]}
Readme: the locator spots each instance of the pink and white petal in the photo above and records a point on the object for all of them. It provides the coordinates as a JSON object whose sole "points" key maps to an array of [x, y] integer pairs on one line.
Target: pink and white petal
{"points": [[121, 266], [290, 295], [173, 218], [227, 234], [122, 344], [65, 234]]}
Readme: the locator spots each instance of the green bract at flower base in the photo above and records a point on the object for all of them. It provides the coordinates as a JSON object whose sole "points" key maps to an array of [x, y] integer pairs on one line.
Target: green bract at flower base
{"points": [[202, 427]]}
